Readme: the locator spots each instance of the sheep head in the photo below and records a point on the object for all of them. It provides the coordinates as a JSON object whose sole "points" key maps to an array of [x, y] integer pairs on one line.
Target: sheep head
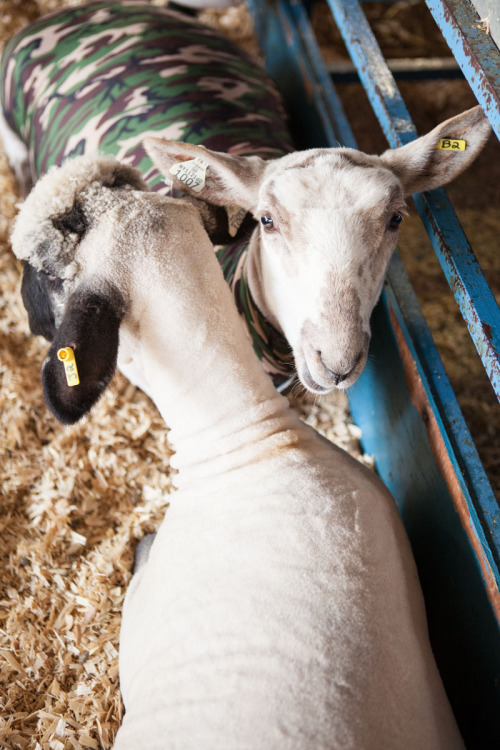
{"points": [[328, 227], [64, 303]]}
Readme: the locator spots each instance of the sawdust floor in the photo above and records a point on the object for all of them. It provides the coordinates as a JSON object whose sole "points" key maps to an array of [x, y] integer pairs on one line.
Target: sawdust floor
{"points": [[74, 501]]}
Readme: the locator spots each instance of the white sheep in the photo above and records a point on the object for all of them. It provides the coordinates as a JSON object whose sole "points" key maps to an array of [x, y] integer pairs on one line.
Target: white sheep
{"points": [[278, 605], [101, 77]]}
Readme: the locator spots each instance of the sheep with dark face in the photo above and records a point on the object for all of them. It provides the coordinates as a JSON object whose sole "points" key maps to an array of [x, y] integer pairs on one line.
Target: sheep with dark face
{"points": [[278, 605], [47, 236], [313, 269]]}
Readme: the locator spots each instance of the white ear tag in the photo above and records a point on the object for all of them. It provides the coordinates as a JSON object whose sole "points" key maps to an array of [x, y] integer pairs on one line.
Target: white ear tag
{"points": [[191, 173], [235, 216]]}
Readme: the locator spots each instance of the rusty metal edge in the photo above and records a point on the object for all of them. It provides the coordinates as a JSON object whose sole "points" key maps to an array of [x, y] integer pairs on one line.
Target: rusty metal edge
{"points": [[421, 402]]}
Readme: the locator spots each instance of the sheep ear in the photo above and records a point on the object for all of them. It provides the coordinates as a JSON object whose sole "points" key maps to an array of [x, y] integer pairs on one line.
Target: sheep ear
{"points": [[90, 326], [226, 181], [421, 165], [221, 225]]}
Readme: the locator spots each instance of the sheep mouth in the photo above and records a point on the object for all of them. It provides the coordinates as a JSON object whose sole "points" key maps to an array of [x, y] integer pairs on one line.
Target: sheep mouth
{"points": [[310, 383], [329, 382]]}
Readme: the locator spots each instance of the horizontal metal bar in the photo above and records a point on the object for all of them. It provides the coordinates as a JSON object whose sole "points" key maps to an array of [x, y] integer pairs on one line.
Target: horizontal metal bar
{"points": [[474, 50], [463, 273], [411, 68]]}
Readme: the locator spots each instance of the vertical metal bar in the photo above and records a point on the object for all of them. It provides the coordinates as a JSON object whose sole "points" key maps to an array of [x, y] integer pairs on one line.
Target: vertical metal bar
{"points": [[465, 277], [474, 50], [331, 106], [374, 72]]}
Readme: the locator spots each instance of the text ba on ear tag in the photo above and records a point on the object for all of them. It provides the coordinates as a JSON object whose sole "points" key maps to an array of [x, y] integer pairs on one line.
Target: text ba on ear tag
{"points": [[451, 144], [192, 173], [67, 357]]}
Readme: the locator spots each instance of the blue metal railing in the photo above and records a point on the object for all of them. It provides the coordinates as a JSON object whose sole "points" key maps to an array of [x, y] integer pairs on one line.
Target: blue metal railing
{"points": [[474, 50]]}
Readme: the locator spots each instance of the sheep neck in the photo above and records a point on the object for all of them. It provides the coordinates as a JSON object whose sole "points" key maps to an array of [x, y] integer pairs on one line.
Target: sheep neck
{"points": [[188, 342]]}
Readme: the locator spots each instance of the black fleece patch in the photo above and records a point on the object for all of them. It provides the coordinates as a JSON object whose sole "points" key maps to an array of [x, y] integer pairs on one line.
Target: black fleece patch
{"points": [[74, 221], [90, 326]]}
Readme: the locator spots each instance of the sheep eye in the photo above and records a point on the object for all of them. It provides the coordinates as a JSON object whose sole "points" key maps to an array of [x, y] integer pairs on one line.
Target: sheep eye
{"points": [[54, 282], [267, 222], [396, 220]]}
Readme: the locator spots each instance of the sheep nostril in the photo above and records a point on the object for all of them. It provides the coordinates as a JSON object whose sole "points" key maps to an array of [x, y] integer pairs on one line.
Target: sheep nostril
{"points": [[337, 376]]}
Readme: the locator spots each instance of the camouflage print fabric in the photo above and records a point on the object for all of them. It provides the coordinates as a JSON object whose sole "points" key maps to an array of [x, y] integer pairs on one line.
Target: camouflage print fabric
{"points": [[270, 346], [97, 77]]}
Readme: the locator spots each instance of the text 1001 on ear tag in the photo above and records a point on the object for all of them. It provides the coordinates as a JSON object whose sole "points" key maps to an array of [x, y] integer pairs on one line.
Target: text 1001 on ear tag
{"points": [[67, 357], [451, 144]]}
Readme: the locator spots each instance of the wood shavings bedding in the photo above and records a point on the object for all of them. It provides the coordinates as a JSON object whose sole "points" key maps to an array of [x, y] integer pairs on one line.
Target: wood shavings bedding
{"points": [[74, 502]]}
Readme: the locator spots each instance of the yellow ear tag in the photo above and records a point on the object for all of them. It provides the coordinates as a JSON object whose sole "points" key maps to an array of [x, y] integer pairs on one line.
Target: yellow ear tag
{"points": [[67, 357], [450, 144]]}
